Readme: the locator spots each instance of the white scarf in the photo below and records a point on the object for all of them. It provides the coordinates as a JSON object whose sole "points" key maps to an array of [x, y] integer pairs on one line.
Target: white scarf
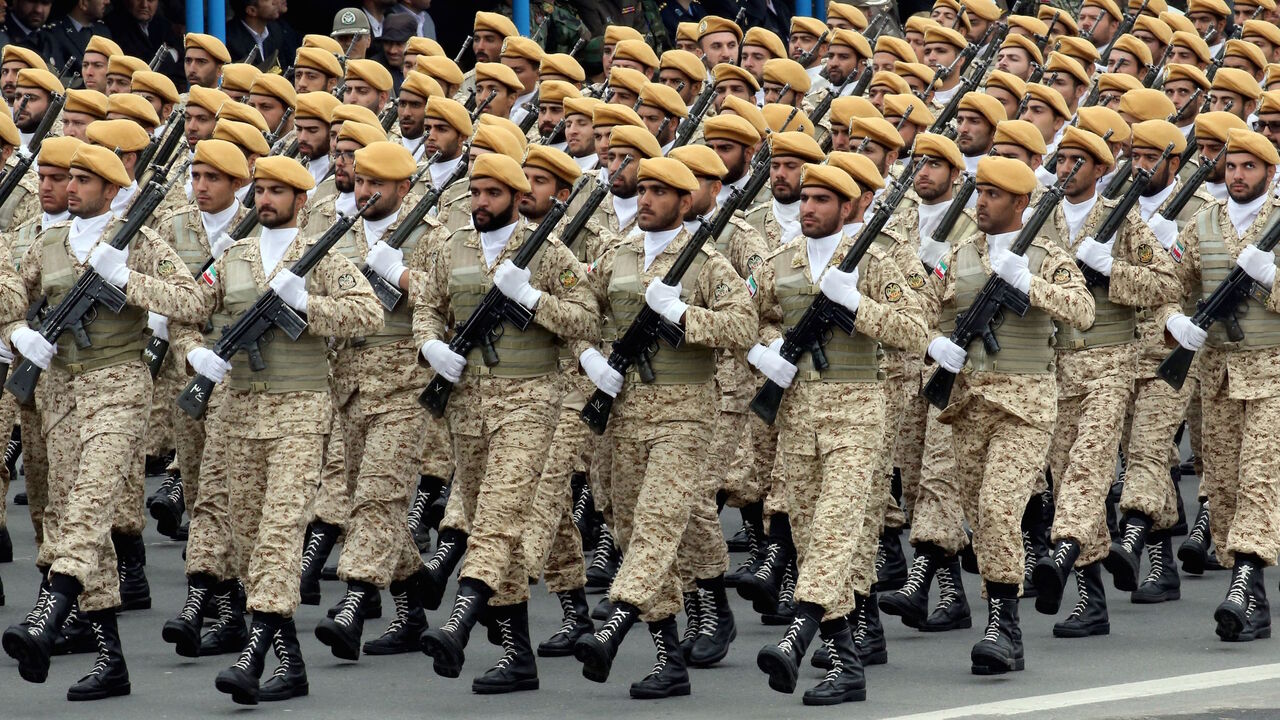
{"points": [[272, 244], [1243, 215], [1148, 206], [1077, 213], [626, 209], [442, 170], [728, 188], [820, 252], [587, 162], [656, 241], [121, 202], [999, 244], [492, 243], [215, 223], [930, 252], [46, 219], [1217, 190], [85, 232], [345, 203], [318, 167], [375, 229], [788, 217]]}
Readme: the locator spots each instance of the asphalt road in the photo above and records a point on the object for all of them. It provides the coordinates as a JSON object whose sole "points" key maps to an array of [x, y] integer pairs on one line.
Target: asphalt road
{"points": [[1172, 644]]}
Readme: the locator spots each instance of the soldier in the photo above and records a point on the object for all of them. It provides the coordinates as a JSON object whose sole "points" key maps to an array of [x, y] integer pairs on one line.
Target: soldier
{"points": [[1047, 110], [848, 56], [487, 35], [237, 80], [976, 121], [93, 64], [677, 68], [554, 66], [156, 89], [315, 70], [1099, 20], [1238, 88], [579, 132], [16, 58], [1017, 55], [311, 125], [523, 56], [411, 106], [551, 97], [780, 73], [1068, 78], [1210, 16], [942, 46], [1129, 56], [759, 46], [778, 221], [500, 81], [1180, 83], [636, 55], [447, 125], [1002, 417], [1006, 88], [367, 84], [272, 95], [500, 420], [100, 397], [810, 37], [715, 41], [661, 109], [202, 61], [733, 81]]}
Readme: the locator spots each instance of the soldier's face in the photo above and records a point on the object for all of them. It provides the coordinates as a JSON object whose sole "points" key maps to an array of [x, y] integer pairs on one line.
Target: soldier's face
{"points": [[544, 187], [1082, 185], [214, 191], [673, 78], [37, 104], [117, 84], [1098, 22], [733, 155], [156, 102], [1016, 152], [994, 212], [1185, 56], [1006, 98], [934, 180], [1225, 101], [549, 115], [916, 41], [76, 125], [1126, 63], [784, 176], [411, 112], [1247, 176], [1146, 159], [311, 80], [842, 61], [198, 125], [359, 92], [1268, 49], [773, 94], [93, 68], [53, 188], [601, 137], [736, 88], [1014, 60], [944, 16], [1043, 117], [442, 138], [704, 199], [801, 43], [628, 63], [874, 151], [33, 13], [623, 184], [88, 195], [525, 70], [839, 137], [660, 206], [753, 59], [200, 68], [271, 108], [493, 204], [313, 138], [1152, 42], [1236, 62], [653, 118], [487, 46], [1209, 149], [578, 136], [689, 46], [719, 47], [389, 200], [344, 165], [822, 212], [503, 98], [940, 55], [277, 204], [1206, 21]]}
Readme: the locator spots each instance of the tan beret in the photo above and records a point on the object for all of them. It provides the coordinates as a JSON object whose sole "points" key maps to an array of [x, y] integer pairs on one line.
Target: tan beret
{"points": [[939, 146], [685, 62], [210, 99], [209, 44], [283, 170], [556, 162], [637, 138], [39, 78], [1032, 25], [702, 160], [1159, 134], [747, 111], [1058, 62], [625, 78], [637, 51], [441, 68], [1020, 133], [450, 111], [860, 168], [26, 56], [1215, 125], [714, 24], [275, 86], [1158, 28], [358, 113], [1264, 4], [1014, 84], [1135, 47], [514, 46], [503, 168], [582, 106], [422, 85], [156, 84], [318, 104], [9, 134], [808, 25], [795, 144], [785, 71], [615, 34], [892, 80], [377, 75], [852, 39], [56, 151], [1216, 7], [495, 22], [423, 46], [133, 107], [222, 156], [1194, 43], [611, 114], [1051, 97], [956, 6], [687, 31], [844, 109], [323, 42], [509, 128], [922, 72], [318, 59], [125, 65], [984, 9], [243, 135], [991, 109], [1181, 71], [1098, 119], [1110, 7], [124, 134], [919, 24], [1247, 50], [1080, 49], [1270, 102], [556, 91], [1256, 144], [101, 162], [1272, 73], [829, 177], [1007, 174], [239, 77], [1146, 104], [725, 71], [776, 115], [896, 105], [1229, 79], [767, 39], [1177, 21], [1263, 29], [1025, 44], [665, 99], [102, 45], [1118, 82], [495, 139], [1154, 7], [361, 133], [89, 102], [669, 172], [877, 129], [561, 64], [385, 161], [1046, 13], [1087, 142], [848, 13], [946, 35], [243, 113], [896, 47]]}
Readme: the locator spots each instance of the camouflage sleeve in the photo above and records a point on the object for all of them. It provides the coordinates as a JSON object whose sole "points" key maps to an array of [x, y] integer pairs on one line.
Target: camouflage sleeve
{"points": [[1059, 289], [567, 307], [13, 293], [431, 297], [889, 311], [1188, 271], [1143, 274], [747, 255], [346, 305], [722, 314], [418, 259], [768, 307], [29, 275], [185, 337], [160, 282]]}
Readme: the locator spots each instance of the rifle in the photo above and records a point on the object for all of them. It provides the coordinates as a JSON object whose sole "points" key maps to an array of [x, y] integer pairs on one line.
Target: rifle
{"points": [[1037, 73], [149, 152], [1216, 62], [68, 73], [278, 132], [11, 179], [662, 129], [701, 105], [466, 45], [556, 131], [164, 154], [479, 109], [823, 316], [159, 56], [967, 84], [573, 51], [485, 323], [959, 200], [1153, 72], [1126, 26], [1022, 105], [806, 58], [1220, 306], [876, 28], [540, 35], [531, 110], [1116, 183], [991, 41], [1042, 42], [388, 116], [469, 103], [1091, 98], [981, 318], [940, 74], [1110, 225], [640, 341], [80, 305], [269, 312], [1191, 186], [959, 17], [824, 106]]}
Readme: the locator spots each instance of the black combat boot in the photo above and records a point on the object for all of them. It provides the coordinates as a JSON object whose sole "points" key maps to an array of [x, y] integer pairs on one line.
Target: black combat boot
{"points": [[290, 678], [240, 681], [77, 636], [429, 489], [1089, 616], [952, 612], [718, 627], [342, 633], [31, 643], [1000, 649], [167, 505], [597, 650], [184, 630], [605, 559], [1194, 551], [1233, 613], [1125, 558], [1030, 558], [226, 634], [583, 512], [405, 630], [692, 622], [891, 563], [602, 609], [1162, 582], [109, 676], [911, 601], [762, 586], [158, 464], [319, 542], [669, 677], [12, 451], [1050, 575], [451, 545], [785, 611], [447, 644], [131, 559], [845, 680], [6, 546], [1258, 623], [516, 670], [576, 622], [781, 661], [868, 632], [753, 524]]}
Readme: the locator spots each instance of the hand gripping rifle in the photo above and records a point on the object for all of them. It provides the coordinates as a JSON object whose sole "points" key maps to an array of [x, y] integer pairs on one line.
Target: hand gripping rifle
{"points": [[80, 305], [824, 316], [1110, 225], [485, 323], [269, 312], [640, 341], [997, 296], [388, 293]]}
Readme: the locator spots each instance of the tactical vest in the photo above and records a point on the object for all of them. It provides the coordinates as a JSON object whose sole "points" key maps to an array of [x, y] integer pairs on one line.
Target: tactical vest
{"points": [[1261, 326], [1026, 343], [22, 240], [186, 241], [852, 358], [687, 365], [399, 322], [1113, 324], [532, 353], [297, 366], [116, 337]]}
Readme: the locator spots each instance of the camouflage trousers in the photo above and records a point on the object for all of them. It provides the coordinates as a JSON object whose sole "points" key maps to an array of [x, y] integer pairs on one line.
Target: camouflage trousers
{"points": [[875, 520], [436, 457], [131, 504], [188, 433], [939, 513], [209, 534], [337, 479], [1082, 456], [703, 553], [93, 426], [998, 456], [750, 472], [830, 442], [160, 439], [8, 418], [35, 474], [552, 543], [601, 473], [1242, 475], [1158, 409]]}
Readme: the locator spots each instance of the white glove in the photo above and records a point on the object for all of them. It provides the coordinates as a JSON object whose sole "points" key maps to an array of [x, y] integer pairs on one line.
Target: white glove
{"points": [[1165, 230], [386, 261], [6, 355], [1096, 255], [769, 361], [841, 288], [1013, 270], [597, 369], [1260, 264], [220, 245], [949, 355], [665, 300], [444, 361], [291, 289], [33, 347], [159, 325], [931, 252], [1186, 332], [514, 283], [207, 363], [110, 264]]}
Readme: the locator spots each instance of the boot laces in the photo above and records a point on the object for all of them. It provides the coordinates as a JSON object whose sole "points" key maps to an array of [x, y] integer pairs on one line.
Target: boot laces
{"points": [[611, 626], [351, 604], [916, 575], [765, 571], [11, 452], [416, 510], [992, 633], [1155, 552], [42, 600], [1239, 592], [603, 553], [460, 607], [1199, 531], [789, 639], [568, 615], [787, 589], [173, 489], [660, 646], [881, 558], [42, 614], [693, 613], [225, 611], [311, 551], [401, 619], [195, 600], [1132, 534], [860, 625], [104, 655], [443, 550], [250, 649], [283, 654], [837, 665], [1083, 603], [710, 616], [508, 645], [580, 504], [1028, 552], [947, 592]]}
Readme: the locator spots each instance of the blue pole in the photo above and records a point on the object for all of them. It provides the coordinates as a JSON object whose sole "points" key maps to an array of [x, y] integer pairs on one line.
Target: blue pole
{"points": [[804, 8], [821, 11], [520, 16], [217, 15], [195, 16]]}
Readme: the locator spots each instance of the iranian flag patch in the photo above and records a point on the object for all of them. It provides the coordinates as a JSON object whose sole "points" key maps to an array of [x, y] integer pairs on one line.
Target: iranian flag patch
{"points": [[1176, 251], [940, 270], [752, 287], [210, 276]]}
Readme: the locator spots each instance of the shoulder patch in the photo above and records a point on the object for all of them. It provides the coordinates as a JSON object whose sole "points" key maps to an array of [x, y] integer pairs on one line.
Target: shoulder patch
{"points": [[893, 292], [754, 262], [722, 289], [915, 281], [165, 268], [1177, 251], [346, 281], [1145, 254], [568, 278], [1061, 276]]}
